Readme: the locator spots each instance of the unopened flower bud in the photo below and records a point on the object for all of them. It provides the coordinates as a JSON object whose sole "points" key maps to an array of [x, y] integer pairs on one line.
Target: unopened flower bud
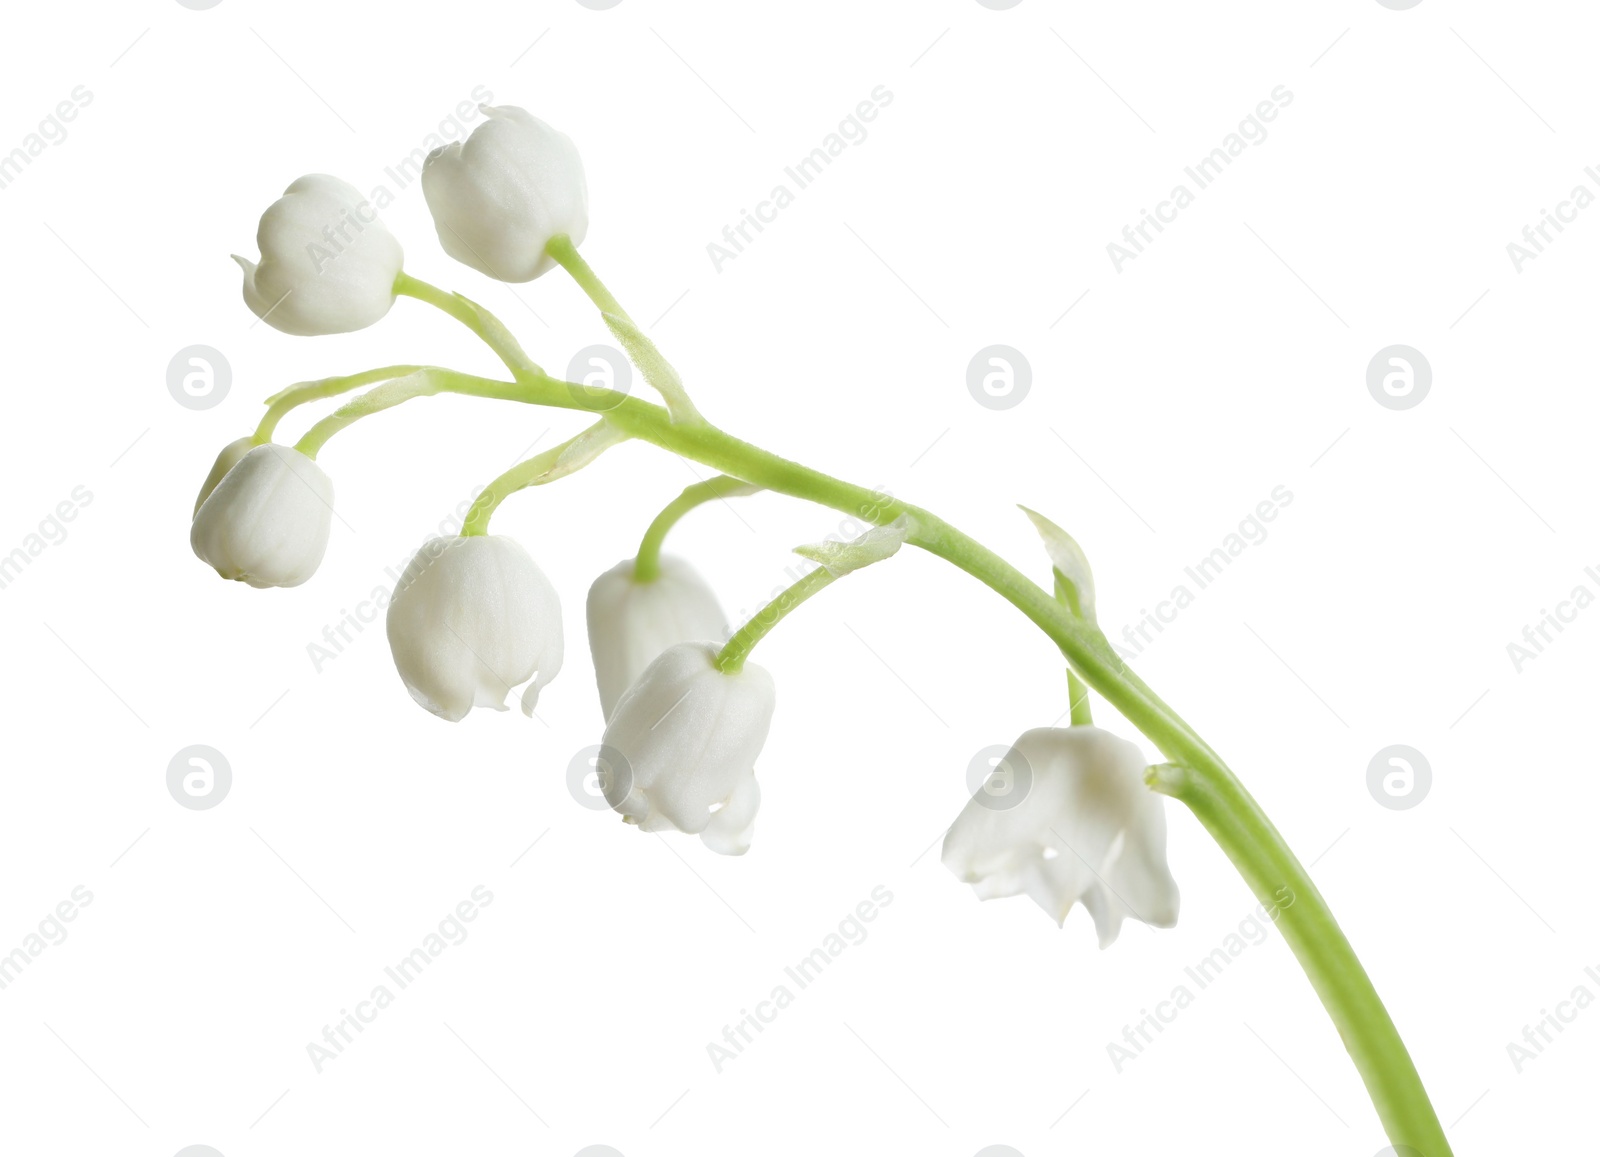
{"points": [[266, 520], [328, 264], [498, 197]]}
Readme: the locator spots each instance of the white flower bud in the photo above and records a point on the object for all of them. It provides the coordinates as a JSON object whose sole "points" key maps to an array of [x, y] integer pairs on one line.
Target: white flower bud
{"points": [[266, 521], [1066, 817], [473, 617], [500, 196], [682, 744], [632, 622], [328, 264], [226, 461]]}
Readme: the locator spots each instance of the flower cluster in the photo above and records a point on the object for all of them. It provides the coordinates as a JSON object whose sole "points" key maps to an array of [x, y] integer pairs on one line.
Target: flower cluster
{"points": [[1069, 816], [473, 618]]}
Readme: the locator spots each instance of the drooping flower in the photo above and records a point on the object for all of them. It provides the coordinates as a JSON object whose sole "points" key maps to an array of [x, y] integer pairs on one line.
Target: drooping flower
{"points": [[265, 520], [1066, 818], [498, 197], [328, 264], [472, 618], [682, 744], [631, 622]]}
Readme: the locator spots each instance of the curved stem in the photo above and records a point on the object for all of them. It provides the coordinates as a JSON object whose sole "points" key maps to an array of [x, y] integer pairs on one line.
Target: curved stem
{"points": [[657, 371], [566, 255], [557, 462], [300, 393], [737, 649], [1219, 800], [472, 315], [422, 382], [1234, 819], [647, 564], [1261, 856], [1197, 776]]}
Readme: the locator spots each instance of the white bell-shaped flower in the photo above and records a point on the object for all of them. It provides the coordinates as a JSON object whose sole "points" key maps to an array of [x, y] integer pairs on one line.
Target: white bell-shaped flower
{"points": [[266, 520], [679, 753], [631, 622], [472, 618], [1065, 817], [328, 264], [498, 197]]}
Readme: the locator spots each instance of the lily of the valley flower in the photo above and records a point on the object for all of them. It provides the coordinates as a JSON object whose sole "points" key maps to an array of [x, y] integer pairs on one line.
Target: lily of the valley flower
{"points": [[471, 618], [682, 747], [328, 264], [631, 622], [264, 517], [1066, 818], [500, 196]]}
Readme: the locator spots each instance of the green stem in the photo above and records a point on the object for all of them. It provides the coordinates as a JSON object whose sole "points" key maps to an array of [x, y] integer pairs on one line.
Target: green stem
{"points": [[1248, 837], [566, 255], [300, 393], [647, 564], [657, 371], [1077, 691], [737, 649], [1078, 700], [1256, 848], [423, 382], [1199, 777], [472, 315], [1261, 856], [548, 466]]}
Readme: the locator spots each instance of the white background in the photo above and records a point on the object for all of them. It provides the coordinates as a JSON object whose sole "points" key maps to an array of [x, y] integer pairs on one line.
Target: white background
{"points": [[1228, 359]]}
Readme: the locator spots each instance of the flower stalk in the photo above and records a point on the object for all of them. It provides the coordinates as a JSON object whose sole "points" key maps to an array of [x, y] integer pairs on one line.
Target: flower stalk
{"points": [[512, 202], [1078, 701], [1077, 690], [469, 313], [287, 400], [545, 467], [734, 652], [1207, 786], [647, 562]]}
